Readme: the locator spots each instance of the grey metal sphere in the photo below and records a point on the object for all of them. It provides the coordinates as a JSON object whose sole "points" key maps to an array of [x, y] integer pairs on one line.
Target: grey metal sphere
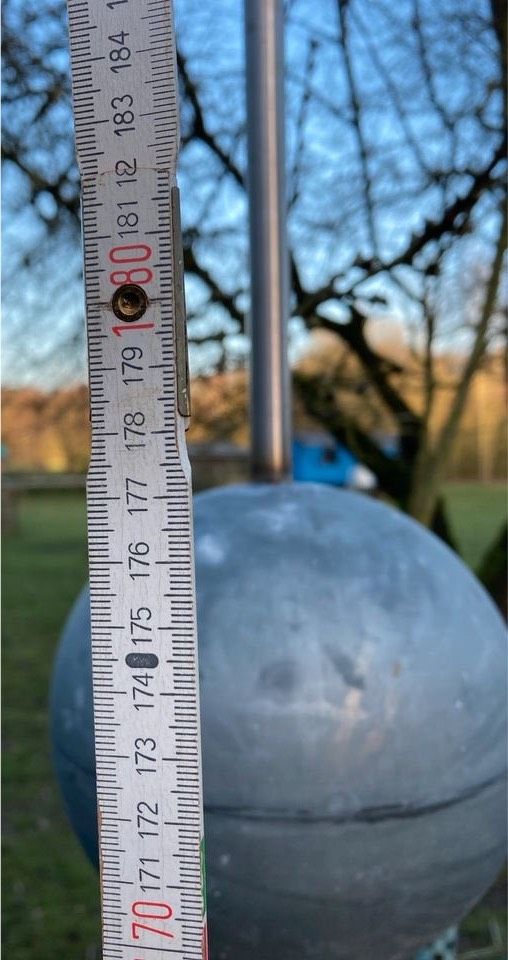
{"points": [[353, 715]]}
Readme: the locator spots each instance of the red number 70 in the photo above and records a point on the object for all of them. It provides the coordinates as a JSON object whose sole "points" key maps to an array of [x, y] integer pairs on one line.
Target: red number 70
{"points": [[164, 913]]}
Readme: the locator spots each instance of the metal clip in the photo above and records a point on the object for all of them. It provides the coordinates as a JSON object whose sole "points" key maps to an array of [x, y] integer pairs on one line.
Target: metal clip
{"points": [[182, 353]]}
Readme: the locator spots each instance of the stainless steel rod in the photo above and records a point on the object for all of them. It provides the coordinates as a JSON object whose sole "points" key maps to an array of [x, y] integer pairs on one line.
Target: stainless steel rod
{"points": [[270, 390]]}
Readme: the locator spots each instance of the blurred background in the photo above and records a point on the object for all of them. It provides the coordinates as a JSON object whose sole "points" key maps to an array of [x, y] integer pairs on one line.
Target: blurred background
{"points": [[396, 145]]}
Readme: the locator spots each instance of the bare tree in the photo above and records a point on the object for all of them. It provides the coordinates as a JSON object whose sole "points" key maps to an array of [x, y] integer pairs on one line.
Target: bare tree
{"points": [[397, 142]]}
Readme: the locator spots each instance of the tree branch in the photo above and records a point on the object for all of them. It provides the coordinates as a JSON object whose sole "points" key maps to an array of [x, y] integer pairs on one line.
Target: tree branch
{"points": [[358, 127], [435, 229], [318, 395], [217, 294], [479, 346], [200, 130]]}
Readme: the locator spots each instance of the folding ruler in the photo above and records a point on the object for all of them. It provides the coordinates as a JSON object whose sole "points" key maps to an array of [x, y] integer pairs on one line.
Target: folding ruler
{"points": [[144, 650]]}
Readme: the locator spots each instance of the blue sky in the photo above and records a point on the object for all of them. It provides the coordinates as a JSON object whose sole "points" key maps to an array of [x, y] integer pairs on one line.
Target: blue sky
{"points": [[411, 129]]}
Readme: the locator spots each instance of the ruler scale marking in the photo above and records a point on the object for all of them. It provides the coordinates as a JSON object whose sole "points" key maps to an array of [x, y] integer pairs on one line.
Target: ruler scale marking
{"points": [[141, 562]]}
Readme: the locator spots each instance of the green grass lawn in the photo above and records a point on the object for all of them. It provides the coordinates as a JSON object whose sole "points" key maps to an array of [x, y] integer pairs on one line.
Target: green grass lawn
{"points": [[476, 514], [50, 895], [50, 899]]}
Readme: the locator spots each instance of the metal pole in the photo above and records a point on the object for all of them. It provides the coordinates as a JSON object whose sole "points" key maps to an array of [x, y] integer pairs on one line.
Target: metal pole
{"points": [[270, 390]]}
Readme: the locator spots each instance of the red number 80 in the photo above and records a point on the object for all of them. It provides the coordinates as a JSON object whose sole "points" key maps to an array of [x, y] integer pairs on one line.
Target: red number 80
{"points": [[138, 275], [131, 253]]}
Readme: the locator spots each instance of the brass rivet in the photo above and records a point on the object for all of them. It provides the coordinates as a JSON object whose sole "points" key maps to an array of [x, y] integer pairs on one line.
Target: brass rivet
{"points": [[129, 302]]}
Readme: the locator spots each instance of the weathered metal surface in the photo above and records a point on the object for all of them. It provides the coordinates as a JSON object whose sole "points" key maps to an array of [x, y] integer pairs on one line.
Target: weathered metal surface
{"points": [[353, 703]]}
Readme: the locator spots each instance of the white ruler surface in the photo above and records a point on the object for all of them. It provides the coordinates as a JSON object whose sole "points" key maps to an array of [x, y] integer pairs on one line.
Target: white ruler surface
{"points": [[144, 650]]}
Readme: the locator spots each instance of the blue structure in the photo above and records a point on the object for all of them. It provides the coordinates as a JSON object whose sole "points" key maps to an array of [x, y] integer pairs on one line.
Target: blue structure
{"points": [[445, 948], [318, 458]]}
